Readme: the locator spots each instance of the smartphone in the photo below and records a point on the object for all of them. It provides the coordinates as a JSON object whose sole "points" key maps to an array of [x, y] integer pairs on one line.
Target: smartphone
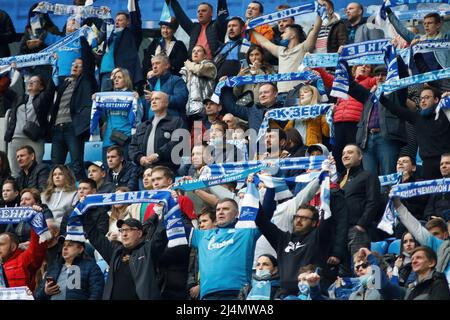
{"points": [[50, 280], [244, 63]]}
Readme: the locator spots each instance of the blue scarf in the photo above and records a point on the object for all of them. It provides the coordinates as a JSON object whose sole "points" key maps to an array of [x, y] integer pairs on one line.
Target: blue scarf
{"points": [[353, 51], [387, 222], [249, 207], [189, 185], [280, 15], [102, 12], [114, 100], [262, 289], [420, 188], [173, 220], [26, 214], [314, 162], [390, 59], [389, 179], [15, 293], [444, 104], [409, 190], [291, 113], [3, 283], [263, 78]]}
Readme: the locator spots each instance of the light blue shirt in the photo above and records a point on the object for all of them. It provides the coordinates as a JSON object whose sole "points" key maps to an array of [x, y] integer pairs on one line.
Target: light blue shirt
{"points": [[225, 257]]}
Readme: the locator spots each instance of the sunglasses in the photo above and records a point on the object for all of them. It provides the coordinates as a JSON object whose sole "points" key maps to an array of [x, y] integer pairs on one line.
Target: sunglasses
{"points": [[362, 265]]}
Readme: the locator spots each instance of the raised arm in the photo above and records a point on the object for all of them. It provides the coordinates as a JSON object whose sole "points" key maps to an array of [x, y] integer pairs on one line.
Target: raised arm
{"points": [[229, 104], [267, 228], [181, 16], [266, 44], [419, 232], [135, 21], [399, 27]]}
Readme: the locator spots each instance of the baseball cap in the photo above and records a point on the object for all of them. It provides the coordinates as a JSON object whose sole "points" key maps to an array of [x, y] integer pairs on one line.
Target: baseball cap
{"points": [[95, 163], [133, 223], [213, 98]]}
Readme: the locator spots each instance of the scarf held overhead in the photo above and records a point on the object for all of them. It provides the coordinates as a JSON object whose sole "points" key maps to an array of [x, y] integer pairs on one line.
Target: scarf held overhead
{"points": [[173, 220], [26, 214]]}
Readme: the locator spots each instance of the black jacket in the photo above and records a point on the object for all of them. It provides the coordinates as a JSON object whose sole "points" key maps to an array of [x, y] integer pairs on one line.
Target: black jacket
{"points": [[126, 46], [36, 178], [391, 126], [294, 250], [91, 280], [177, 57], [438, 205], [42, 103], [215, 31], [81, 101], [98, 215], [432, 135], [434, 287], [143, 260], [7, 34], [128, 176], [339, 220], [362, 195], [163, 144]]}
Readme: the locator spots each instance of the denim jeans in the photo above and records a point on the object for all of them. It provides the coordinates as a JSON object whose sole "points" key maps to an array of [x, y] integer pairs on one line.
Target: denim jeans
{"points": [[223, 295], [64, 140], [380, 156]]}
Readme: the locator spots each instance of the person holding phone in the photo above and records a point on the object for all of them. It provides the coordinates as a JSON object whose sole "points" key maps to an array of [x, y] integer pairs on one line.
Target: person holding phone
{"points": [[254, 64], [74, 276]]}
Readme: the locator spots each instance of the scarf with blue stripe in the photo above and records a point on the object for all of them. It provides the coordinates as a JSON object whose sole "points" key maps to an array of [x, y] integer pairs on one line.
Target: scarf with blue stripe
{"points": [[409, 190], [354, 51], [394, 85], [26, 214], [263, 78], [114, 100], [444, 105], [305, 163], [205, 182], [288, 13], [294, 113], [102, 12], [387, 222], [249, 207], [172, 216]]}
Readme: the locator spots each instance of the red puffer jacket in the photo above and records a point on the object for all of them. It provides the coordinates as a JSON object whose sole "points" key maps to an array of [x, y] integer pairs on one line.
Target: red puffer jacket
{"points": [[347, 110], [21, 267]]}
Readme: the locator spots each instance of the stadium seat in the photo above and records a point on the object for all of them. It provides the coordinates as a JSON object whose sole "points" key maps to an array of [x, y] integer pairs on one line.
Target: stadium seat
{"points": [[93, 151], [394, 247], [380, 247]]}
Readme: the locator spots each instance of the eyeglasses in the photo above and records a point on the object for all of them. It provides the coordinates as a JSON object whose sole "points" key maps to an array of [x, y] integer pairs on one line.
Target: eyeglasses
{"points": [[126, 230], [74, 64], [362, 265], [302, 218], [426, 98]]}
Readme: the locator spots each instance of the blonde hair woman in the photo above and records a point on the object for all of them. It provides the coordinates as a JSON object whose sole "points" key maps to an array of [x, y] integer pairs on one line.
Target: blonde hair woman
{"points": [[311, 130], [61, 193]]}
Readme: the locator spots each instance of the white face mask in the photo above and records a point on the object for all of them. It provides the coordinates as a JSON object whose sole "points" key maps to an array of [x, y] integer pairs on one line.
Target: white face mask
{"points": [[263, 274], [216, 141]]}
